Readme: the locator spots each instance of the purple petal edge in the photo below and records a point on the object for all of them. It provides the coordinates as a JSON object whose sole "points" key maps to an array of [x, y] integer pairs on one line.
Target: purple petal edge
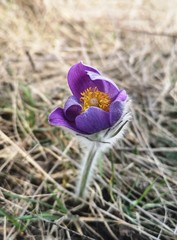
{"points": [[122, 96], [57, 118], [72, 108], [115, 111]]}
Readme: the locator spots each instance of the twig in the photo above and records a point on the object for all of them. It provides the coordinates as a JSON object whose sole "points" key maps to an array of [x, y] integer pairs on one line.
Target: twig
{"points": [[31, 60]]}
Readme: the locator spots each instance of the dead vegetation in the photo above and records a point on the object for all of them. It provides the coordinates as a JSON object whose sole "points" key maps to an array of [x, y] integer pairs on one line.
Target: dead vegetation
{"points": [[134, 195]]}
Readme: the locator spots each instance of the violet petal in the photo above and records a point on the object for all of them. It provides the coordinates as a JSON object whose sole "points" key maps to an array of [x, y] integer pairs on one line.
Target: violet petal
{"points": [[115, 111], [57, 118], [72, 108], [93, 120], [78, 80], [104, 84], [122, 96]]}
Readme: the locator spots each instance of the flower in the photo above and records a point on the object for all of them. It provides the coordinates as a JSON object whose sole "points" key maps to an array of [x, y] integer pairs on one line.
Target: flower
{"points": [[98, 112], [96, 104]]}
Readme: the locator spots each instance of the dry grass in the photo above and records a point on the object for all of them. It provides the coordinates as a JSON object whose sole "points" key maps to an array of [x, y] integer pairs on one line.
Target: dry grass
{"points": [[134, 194]]}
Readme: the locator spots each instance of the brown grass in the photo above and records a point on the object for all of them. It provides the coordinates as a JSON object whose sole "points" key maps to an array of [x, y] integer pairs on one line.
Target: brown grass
{"points": [[134, 193]]}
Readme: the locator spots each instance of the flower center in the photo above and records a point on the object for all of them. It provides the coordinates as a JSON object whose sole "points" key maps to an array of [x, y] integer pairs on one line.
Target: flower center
{"points": [[93, 97]]}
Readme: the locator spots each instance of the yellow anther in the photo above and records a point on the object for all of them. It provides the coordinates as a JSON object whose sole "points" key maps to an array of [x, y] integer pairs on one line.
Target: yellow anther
{"points": [[94, 97]]}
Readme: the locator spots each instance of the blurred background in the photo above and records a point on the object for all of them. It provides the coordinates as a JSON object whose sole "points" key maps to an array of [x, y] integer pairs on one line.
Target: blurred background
{"points": [[132, 42]]}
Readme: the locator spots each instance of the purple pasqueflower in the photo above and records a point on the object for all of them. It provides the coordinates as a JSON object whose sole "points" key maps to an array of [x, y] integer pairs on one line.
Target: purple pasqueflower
{"points": [[96, 104]]}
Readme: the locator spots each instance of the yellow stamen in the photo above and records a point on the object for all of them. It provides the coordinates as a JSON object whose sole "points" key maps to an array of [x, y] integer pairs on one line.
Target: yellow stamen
{"points": [[93, 97]]}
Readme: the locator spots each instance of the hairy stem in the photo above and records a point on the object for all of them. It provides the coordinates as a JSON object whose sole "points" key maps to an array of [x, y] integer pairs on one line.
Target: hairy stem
{"points": [[88, 164]]}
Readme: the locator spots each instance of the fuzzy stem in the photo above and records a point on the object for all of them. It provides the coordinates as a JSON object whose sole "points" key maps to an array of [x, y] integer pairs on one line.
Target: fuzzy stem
{"points": [[87, 168]]}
